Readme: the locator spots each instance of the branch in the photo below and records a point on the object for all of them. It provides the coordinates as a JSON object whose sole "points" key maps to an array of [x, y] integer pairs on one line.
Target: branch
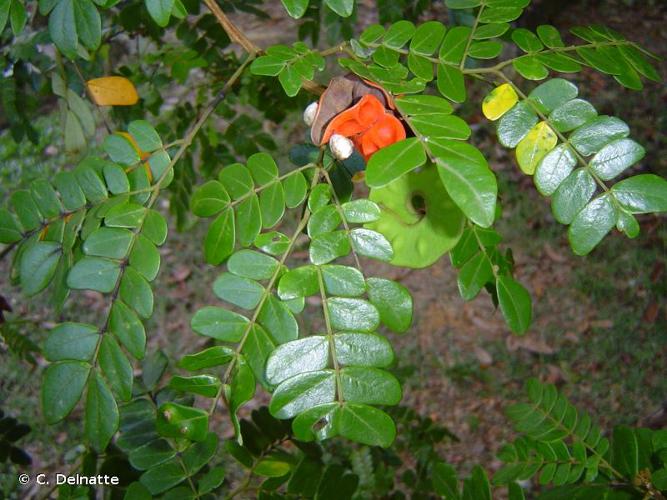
{"points": [[253, 50]]}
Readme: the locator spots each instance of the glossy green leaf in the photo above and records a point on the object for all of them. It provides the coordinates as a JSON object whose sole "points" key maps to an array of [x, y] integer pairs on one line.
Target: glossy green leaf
{"points": [[427, 38], [365, 424], [324, 220], [295, 188], [145, 258], [127, 215], [641, 194], [360, 211], [371, 244], [236, 180], [116, 367], [597, 133], [413, 105], [9, 229], [160, 11], [474, 275], [209, 199], [369, 386], [46, 198], [553, 93], [515, 304], [468, 179], [101, 415], [272, 204], [485, 50], [180, 421], [319, 196], [343, 8], [591, 225], [242, 292], [363, 349], [398, 34], [73, 341], [155, 227], [295, 8], [38, 266], [353, 314], [328, 246], [530, 68], [163, 477], [299, 356], [572, 195], [492, 30], [342, 281], [450, 83], [550, 36], [136, 292], [128, 329], [298, 282], [108, 242], [62, 27], [394, 161], [219, 323], [572, 114], [219, 242], [393, 302], [262, 168], [615, 157], [526, 40], [144, 135], [256, 349], [515, 124], [302, 392], [204, 385], [25, 209], [278, 320], [252, 264], [554, 168], [248, 220], [273, 242], [151, 454], [208, 358], [94, 273], [62, 388], [454, 45]]}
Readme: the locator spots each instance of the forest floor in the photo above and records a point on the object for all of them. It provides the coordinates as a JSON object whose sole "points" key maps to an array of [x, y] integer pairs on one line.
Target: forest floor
{"points": [[600, 322]]}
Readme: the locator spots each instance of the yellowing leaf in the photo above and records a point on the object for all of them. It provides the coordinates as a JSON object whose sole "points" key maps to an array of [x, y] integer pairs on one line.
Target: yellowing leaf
{"points": [[113, 91], [499, 101], [532, 148]]}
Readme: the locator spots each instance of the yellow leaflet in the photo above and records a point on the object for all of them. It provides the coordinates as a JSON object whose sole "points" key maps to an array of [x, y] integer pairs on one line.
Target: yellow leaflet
{"points": [[113, 91], [499, 101], [532, 148]]}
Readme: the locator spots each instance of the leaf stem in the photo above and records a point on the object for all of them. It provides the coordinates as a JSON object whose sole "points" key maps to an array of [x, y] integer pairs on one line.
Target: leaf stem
{"points": [[470, 36]]}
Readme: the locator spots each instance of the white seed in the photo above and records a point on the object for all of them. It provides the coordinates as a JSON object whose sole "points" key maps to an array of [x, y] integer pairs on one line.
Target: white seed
{"points": [[309, 113], [341, 147]]}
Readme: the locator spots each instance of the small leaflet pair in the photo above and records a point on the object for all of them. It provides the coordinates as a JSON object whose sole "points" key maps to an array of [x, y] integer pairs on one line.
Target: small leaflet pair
{"points": [[359, 110]]}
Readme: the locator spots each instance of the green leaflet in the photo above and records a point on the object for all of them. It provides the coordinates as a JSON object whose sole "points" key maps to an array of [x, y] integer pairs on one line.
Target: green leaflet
{"points": [[71, 341], [219, 323], [101, 415], [62, 388], [242, 292], [394, 161], [515, 304], [393, 302], [38, 266]]}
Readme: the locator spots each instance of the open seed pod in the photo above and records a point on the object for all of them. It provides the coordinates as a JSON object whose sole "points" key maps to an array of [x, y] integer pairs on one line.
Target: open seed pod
{"points": [[343, 92], [418, 217]]}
